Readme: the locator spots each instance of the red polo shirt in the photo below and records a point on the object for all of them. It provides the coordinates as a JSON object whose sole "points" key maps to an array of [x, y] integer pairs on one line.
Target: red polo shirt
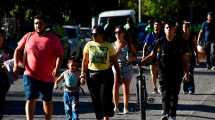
{"points": [[42, 52]]}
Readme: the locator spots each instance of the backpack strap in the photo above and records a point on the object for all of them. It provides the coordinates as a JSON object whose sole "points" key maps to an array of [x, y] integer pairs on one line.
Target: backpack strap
{"points": [[24, 52]]}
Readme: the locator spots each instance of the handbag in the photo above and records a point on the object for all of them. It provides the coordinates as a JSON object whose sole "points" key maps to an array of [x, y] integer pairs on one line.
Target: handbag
{"points": [[202, 56], [8, 64], [203, 43]]}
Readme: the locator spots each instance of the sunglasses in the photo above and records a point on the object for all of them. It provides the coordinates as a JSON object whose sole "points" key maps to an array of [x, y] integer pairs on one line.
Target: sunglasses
{"points": [[117, 32], [94, 34]]}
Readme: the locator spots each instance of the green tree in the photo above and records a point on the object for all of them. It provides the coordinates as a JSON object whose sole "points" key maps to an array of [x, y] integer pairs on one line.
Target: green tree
{"points": [[160, 8], [166, 8], [79, 11]]}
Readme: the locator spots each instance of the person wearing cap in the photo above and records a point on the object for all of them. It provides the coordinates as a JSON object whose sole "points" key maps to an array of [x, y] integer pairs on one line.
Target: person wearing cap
{"points": [[172, 62], [98, 58], [206, 38]]}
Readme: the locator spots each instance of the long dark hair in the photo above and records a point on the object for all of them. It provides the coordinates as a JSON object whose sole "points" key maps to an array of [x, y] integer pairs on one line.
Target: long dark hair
{"points": [[100, 30], [120, 28], [3, 34], [126, 36]]}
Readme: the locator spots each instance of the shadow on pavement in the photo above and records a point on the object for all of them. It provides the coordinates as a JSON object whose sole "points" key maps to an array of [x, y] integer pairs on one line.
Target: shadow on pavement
{"points": [[207, 72], [203, 94], [185, 107], [18, 108], [192, 116], [201, 108], [197, 116]]}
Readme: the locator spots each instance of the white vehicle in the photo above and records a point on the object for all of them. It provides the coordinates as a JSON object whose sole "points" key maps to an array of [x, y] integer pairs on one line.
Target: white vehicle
{"points": [[119, 17], [71, 31], [73, 40], [85, 36], [85, 33]]}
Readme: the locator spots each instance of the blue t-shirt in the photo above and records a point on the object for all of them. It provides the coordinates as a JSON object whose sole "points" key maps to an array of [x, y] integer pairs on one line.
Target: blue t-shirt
{"points": [[71, 79], [208, 31], [150, 40]]}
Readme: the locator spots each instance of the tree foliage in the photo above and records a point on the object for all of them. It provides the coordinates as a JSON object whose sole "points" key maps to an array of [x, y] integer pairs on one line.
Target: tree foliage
{"points": [[80, 11], [176, 8], [62, 11]]}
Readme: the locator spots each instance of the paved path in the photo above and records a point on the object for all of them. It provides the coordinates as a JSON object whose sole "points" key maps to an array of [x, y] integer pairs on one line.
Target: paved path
{"points": [[200, 106]]}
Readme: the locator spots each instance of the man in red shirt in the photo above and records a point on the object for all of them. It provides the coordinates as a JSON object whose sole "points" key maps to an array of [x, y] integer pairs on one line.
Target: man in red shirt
{"points": [[43, 51]]}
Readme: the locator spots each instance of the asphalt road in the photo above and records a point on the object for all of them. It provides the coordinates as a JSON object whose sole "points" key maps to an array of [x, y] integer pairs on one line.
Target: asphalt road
{"points": [[200, 106]]}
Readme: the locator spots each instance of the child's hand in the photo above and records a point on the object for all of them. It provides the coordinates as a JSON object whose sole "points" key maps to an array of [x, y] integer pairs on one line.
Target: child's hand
{"points": [[55, 86], [15, 76], [82, 81], [186, 77]]}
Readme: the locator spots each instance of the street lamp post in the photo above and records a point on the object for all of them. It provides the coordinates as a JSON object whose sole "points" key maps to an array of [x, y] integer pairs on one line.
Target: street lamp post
{"points": [[139, 11]]}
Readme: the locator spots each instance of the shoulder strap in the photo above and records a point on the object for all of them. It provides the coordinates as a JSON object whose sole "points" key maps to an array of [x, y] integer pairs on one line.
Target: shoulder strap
{"points": [[25, 53], [29, 36]]}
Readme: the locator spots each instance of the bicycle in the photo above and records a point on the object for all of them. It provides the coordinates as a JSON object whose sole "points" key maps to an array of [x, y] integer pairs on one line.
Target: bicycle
{"points": [[141, 93]]}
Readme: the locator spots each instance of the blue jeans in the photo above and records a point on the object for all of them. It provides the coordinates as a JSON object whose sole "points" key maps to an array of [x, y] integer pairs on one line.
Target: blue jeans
{"points": [[71, 103]]}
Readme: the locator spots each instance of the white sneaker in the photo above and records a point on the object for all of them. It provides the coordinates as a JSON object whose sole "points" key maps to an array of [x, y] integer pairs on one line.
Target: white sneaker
{"points": [[159, 90], [191, 92], [155, 91], [125, 111], [172, 118], [164, 117], [116, 110], [213, 68]]}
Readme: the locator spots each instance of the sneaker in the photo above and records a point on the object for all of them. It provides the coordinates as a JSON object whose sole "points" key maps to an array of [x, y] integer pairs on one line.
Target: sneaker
{"points": [[172, 118], [164, 117], [213, 68], [116, 110], [125, 111], [191, 92], [159, 90], [155, 91], [209, 67]]}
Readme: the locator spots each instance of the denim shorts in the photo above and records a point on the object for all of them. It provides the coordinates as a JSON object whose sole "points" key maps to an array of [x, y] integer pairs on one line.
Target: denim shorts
{"points": [[125, 71], [34, 88]]}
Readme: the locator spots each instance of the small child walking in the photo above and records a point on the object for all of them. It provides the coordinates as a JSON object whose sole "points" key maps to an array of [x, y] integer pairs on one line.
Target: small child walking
{"points": [[71, 89]]}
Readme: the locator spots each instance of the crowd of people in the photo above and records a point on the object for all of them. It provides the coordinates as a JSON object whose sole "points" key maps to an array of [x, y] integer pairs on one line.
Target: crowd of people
{"points": [[170, 50]]}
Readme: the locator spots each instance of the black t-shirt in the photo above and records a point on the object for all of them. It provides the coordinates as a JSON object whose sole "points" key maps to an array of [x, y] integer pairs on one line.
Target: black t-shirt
{"points": [[169, 55]]}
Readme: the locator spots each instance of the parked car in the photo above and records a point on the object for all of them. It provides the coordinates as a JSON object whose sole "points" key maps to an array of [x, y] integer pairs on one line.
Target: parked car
{"points": [[85, 33], [71, 31], [119, 17], [112, 18], [72, 38]]}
